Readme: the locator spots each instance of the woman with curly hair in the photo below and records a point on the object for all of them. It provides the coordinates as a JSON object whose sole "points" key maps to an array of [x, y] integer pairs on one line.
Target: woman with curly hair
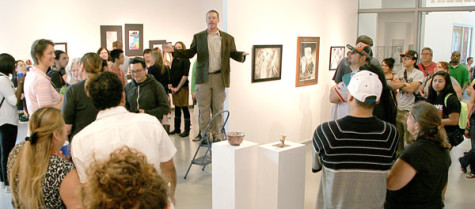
{"points": [[125, 180], [419, 176], [40, 175]]}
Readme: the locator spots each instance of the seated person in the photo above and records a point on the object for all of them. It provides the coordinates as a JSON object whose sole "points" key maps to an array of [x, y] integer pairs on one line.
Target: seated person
{"points": [[40, 175], [125, 180]]}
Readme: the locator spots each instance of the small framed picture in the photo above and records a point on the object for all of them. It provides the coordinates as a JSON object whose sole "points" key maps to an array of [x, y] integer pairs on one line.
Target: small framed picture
{"points": [[337, 53], [307, 61], [63, 46], [134, 39], [266, 63], [110, 34]]}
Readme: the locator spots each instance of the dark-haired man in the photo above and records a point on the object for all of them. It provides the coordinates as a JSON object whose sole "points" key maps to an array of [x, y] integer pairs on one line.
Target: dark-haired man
{"points": [[458, 71], [57, 72], [358, 56], [214, 48], [116, 127], [344, 65], [144, 94], [117, 57], [408, 82], [355, 152]]}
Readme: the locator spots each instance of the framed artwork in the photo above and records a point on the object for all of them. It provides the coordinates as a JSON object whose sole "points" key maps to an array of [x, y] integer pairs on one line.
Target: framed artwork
{"points": [[307, 61], [109, 34], [63, 46], [266, 62], [156, 44], [337, 53], [134, 39]]}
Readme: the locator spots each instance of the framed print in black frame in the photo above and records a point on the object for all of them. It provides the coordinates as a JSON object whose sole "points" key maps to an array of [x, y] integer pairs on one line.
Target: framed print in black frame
{"points": [[337, 54], [266, 63], [134, 39], [308, 51], [109, 34]]}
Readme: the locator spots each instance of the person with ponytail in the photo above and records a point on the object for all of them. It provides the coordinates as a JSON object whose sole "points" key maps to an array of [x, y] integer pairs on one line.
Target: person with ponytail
{"points": [[78, 109], [419, 176], [40, 175]]}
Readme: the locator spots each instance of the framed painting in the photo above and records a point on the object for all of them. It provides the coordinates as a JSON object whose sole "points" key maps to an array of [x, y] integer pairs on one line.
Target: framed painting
{"points": [[109, 34], [308, 51], [134, 39], [156, 44], [63, 46], [337, 53], [266, 63]]}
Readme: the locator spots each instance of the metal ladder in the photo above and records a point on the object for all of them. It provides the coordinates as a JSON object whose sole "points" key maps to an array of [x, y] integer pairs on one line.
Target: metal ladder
{"points": [[206, 142]]}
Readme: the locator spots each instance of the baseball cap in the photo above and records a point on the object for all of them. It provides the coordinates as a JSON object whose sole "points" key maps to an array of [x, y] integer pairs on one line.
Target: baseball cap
{"points": [[365, 86], [410, 53], [361, 48]]}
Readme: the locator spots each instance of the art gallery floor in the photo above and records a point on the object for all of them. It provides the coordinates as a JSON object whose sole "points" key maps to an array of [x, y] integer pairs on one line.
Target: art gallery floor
{"points": [[195, 192]]}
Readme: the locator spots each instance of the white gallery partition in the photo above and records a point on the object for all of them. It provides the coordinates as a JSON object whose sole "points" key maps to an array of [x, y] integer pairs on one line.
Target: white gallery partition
{"points": [[265, 110]]}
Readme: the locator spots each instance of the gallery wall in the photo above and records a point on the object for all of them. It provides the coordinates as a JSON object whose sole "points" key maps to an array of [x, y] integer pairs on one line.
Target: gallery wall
{"points": [[438, 32], [266, 110], [78, 22]]}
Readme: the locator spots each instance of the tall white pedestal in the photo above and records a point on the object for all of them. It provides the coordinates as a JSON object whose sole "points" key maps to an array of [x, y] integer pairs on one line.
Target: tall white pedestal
{"points": [[281, 176], [234, 175]]}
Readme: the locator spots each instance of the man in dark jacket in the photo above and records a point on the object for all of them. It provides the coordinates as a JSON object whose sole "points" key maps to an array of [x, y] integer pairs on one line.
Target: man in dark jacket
{"points": [[145, 94]]}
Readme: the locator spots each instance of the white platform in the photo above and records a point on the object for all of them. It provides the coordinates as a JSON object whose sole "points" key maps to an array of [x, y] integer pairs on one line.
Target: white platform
{"points": [[234, 175], [281, 176]]}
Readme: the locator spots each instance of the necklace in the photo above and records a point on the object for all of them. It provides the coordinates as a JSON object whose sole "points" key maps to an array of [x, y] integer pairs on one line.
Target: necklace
{"points": [[59, 153]]}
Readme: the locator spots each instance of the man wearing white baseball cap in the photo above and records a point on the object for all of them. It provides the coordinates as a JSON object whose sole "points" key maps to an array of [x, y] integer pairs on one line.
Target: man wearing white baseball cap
{"points": [[355, 152]]}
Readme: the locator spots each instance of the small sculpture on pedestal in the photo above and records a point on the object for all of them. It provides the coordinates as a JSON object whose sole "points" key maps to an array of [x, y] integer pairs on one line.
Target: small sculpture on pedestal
{"points": [[282, 140]]}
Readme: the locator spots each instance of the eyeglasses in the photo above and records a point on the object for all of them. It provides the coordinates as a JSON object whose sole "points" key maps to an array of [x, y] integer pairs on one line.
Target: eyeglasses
{"points": [[137, 71]]}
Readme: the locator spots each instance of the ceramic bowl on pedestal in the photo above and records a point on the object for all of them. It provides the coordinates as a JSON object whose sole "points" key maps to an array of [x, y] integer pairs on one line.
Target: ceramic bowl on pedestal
{"points": [[235, 138]]}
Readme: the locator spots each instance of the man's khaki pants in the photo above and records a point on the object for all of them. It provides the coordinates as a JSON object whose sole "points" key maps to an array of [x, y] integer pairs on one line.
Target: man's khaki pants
{"points": [[211, 96]]}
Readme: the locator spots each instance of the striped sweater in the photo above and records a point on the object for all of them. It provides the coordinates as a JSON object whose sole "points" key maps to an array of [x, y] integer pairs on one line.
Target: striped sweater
{"points": [[356, 154]]}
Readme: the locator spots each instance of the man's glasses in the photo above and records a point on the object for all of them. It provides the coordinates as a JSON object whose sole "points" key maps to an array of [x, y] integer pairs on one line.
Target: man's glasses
{"points": [[137, 71]]}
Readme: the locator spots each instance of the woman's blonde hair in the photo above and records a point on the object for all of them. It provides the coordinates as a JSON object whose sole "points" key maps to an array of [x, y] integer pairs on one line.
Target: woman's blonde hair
{"points": [[158, 59], [430, 122], [125, 180], [29, 168], [92, 63]]}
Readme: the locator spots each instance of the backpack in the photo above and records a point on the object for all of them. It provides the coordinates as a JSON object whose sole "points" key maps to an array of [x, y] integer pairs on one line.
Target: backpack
{"points": [[463, 116]]}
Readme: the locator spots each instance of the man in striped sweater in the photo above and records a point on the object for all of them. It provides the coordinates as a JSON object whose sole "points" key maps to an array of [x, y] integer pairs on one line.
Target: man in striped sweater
{"points": [[355, 152]]}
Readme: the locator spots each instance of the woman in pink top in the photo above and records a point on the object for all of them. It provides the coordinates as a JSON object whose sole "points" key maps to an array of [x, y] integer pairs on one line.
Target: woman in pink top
{"points": [[39, 92]]}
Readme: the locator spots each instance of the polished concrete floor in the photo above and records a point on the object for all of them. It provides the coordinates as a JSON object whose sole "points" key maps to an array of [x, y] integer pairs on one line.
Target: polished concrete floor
{"points": [[195, 191]]}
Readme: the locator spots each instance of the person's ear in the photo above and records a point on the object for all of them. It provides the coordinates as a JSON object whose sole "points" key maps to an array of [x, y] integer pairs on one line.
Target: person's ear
{"points": [[350, 98], [57, 136], [417, 126]]}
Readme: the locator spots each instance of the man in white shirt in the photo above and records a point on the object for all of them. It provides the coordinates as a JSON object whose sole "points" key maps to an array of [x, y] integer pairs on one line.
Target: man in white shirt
{"points": [[116, 127]]}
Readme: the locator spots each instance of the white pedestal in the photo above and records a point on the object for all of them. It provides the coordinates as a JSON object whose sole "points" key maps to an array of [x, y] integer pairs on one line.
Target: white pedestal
{"points": [[234, 175], [281, 176]]}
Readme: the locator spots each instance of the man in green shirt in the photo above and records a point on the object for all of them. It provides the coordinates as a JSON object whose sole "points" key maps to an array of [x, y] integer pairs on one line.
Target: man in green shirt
{"points": [[458, 71]]}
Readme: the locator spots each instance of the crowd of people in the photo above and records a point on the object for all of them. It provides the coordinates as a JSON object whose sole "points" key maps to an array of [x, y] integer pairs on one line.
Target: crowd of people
{"points": [[396, 156], [387, 145]]}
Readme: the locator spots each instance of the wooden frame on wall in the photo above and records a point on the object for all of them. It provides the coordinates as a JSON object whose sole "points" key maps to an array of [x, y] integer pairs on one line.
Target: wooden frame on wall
{"points": [[134, 39], [266, 63], [109, 34], [308, 51], [63, 46]]}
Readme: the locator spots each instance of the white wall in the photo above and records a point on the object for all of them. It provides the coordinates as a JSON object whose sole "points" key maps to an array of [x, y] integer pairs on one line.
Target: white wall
{"points": [[78, 22], [438, 32], [267, 109]]}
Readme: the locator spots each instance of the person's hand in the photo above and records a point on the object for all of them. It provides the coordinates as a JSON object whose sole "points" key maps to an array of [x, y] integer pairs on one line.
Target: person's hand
{"points": [[245, 54], [422, 93], [168, 48], [468, 123], [193, 97], [141, 111]]}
